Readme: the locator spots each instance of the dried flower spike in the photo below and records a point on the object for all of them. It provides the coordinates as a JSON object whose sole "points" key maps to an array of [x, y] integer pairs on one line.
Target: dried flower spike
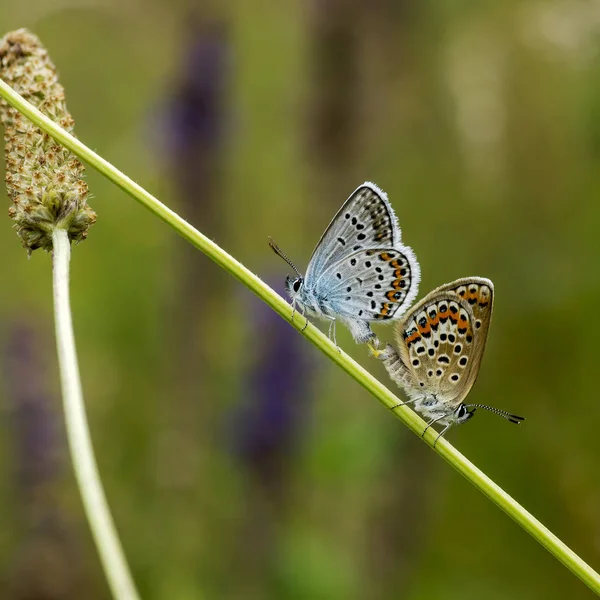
{"points": [[43, 179]]}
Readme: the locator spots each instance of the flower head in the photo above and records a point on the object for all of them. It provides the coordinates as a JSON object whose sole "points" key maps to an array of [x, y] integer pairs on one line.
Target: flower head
{"points": [[43, 179]]}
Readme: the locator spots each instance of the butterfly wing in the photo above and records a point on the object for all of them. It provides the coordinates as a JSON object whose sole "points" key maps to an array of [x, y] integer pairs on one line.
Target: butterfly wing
{"points": [[479, 293], [371, 285], [440, 343], [365, 220]]}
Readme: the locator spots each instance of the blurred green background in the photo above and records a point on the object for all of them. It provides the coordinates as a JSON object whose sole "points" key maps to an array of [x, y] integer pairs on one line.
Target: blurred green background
{"points": [[240, 463]]}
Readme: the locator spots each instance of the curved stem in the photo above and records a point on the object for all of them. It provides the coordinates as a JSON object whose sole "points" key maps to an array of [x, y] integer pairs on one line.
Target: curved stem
{"points": [[80, 444], [495, 493]]}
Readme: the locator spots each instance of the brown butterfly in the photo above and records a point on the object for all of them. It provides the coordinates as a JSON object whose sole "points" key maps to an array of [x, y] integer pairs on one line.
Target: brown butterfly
{"points": [[441, 341]]}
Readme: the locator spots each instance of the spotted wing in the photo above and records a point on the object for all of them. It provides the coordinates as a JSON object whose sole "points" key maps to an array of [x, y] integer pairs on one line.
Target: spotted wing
{"points": [[371, 285], [479, 293], [441, 344], [365, 220]]}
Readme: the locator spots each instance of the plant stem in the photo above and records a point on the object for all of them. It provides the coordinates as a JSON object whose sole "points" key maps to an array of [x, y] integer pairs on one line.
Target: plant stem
{"points": [[543, 535], [80, 444]]}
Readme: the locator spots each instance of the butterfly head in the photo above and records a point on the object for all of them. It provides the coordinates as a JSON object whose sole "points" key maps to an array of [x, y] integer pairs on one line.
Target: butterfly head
{"points": [[462, 413], [293, 285]]}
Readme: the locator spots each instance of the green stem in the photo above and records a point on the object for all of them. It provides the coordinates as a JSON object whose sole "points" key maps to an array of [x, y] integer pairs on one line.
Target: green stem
{"points": [[543, 535], [80, 443]]}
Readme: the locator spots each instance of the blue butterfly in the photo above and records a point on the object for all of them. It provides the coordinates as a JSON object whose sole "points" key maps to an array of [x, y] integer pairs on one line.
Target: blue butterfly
{"points": [[360, 272]]}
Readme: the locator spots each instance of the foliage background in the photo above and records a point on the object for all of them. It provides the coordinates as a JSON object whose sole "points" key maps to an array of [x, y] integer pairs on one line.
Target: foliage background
{"points": [[238, 462]]}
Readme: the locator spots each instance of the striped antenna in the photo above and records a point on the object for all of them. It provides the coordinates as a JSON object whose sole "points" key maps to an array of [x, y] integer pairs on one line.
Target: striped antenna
{"points": [[506, 415], [282, 254]]}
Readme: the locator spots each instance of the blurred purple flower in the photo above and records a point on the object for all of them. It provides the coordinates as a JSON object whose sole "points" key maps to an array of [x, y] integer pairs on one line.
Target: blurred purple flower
{"points": [[33, 419], [194, 115], [277, 398], [46, 562], [193, 118]]}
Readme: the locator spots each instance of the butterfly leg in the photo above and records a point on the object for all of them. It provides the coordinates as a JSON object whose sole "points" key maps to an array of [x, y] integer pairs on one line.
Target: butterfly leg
{"points": [[332, 334], [373, 346], [374, 349], [442, 433], [301, 312], [293, 310], [430, 423], [306, 320], [402, 404]]}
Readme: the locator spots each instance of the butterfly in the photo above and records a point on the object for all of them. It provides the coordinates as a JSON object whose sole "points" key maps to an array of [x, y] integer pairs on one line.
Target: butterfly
{"points": [[441, 341], [360, 272]]}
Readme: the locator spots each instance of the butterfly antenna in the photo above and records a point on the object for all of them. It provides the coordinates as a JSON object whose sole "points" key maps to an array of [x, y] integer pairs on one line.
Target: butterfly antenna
{"points": [[506, 415], [283, 255]]}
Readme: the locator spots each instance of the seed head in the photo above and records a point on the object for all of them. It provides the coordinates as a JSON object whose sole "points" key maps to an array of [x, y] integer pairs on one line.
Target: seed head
{"points": [[43, 179]]}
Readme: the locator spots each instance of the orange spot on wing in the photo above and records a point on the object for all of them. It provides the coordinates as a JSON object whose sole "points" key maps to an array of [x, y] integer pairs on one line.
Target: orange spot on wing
{"points": [[471, 295], [425, 328], [411, 339], [385, 311], [443, 315]]}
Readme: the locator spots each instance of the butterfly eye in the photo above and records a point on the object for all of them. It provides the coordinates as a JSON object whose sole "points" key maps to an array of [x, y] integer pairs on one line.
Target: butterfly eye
{"points": [[296, 285], [463, 413]]}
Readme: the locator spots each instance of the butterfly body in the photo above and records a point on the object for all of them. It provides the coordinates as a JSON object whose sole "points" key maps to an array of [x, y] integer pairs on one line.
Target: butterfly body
{"points": [[441, 342], [432, 399], [360, 272], [314, 302]]}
